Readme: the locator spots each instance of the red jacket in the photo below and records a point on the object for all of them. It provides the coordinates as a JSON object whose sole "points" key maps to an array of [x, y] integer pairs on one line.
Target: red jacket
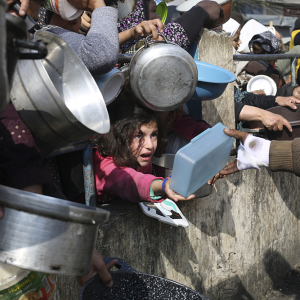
{"points": [[122, 182]]}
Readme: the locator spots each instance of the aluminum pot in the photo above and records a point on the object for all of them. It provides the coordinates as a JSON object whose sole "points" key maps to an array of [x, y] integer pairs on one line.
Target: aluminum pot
{"points": [[15, 39], [47, 234], [131, 284], [164, 168], [57, 97], [163, 76]]}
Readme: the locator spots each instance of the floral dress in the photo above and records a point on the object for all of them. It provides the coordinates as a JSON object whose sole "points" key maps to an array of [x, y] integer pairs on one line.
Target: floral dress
{"points": [[173, 32]]}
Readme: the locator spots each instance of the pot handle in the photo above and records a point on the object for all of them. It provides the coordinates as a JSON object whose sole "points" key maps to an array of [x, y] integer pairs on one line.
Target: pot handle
{"points": [[40, 47], [121, 265], [147, 39]]}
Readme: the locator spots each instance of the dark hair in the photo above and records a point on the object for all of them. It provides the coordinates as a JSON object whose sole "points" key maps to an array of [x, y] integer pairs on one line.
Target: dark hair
{"points": [[126, 115]]}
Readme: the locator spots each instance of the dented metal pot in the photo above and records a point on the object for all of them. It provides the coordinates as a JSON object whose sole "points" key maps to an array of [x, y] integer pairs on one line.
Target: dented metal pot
{"points": [[47, 234], [163, 76]]}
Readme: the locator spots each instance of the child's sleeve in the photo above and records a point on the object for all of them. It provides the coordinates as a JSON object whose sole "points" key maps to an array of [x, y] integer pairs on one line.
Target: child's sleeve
{"points": [[99, 49], [126, 183], [152, 194]]}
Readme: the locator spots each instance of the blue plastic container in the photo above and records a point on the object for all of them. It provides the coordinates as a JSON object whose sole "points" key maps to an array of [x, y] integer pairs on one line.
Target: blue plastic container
{"points": [[212, 80], [200, 160]]}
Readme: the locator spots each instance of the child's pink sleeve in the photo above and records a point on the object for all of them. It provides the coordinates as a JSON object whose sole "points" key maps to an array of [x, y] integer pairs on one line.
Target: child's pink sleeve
{"points": [[126, 183], [188, 127]]}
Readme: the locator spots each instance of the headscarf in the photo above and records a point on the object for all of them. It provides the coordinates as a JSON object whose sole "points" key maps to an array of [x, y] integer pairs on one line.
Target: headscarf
{"points": [[231, 26], [297, 25], [268, 41]]}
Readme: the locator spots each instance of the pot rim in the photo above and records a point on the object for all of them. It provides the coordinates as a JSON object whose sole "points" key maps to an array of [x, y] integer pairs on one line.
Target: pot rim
{"points": [[51, 207]]}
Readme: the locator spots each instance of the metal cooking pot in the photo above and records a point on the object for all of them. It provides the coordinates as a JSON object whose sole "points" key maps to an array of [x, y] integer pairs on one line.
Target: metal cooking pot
{"points": [[131, 284], [57, 97], [163, 76], [13, 38], [165, 168], [47, 234]]}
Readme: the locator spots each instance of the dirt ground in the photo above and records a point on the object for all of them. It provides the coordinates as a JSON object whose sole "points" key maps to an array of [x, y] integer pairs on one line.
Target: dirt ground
{"points": [[289, 289]]}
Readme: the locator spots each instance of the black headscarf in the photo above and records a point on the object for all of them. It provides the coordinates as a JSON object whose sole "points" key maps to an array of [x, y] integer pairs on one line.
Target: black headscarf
{"points": [[268, 41], [297, 25]]}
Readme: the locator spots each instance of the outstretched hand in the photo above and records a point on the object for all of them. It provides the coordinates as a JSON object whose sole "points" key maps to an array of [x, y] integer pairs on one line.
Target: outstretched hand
{"points": [[287, 101], [232, 167], [23, 7], [175, 196], [100, 268], [274, 122]]}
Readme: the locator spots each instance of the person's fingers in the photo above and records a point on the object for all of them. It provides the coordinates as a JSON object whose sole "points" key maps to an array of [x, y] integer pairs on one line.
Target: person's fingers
{"points": [[85, 23], [86, 17], [287, 125], [111, 264], [159, 24], [236, 134], [139, 30], [229, 169], [291, 104], [1, 212], [24, 7], [154, 32], [233, 152]]}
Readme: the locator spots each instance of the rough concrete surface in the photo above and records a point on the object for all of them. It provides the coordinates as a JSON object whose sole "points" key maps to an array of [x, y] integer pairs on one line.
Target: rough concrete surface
{"points": [[241, 240]]}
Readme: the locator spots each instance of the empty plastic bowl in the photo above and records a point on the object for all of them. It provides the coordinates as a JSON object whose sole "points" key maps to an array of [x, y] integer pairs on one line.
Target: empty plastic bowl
{"points": [[262, 82], [110, 84], [212, 81], [64, 9]]}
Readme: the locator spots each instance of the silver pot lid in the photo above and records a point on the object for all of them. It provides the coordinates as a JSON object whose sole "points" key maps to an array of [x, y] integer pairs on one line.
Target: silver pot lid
{"points": [[51, 207]]}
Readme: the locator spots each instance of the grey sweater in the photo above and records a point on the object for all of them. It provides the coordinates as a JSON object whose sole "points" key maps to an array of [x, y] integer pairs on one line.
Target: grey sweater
{"points": [[99, 49]]}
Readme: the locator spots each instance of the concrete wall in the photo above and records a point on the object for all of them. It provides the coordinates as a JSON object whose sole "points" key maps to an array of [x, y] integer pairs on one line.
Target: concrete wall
{"points": [[241, 239]]}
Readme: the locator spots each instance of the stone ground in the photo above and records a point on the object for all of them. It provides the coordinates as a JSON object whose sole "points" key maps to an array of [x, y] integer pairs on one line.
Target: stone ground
{"points": [[289, 289]]}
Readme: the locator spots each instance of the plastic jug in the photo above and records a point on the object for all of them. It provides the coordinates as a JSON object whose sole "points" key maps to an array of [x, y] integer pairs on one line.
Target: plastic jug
{"points": [[200, 160]]}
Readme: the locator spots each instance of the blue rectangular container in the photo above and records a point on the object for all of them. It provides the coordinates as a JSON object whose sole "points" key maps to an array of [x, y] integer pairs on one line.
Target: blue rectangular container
{"points": [[200, 160]]}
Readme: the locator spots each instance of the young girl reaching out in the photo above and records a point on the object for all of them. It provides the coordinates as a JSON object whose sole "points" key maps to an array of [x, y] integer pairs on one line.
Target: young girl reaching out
{"points": [[122, 159]]}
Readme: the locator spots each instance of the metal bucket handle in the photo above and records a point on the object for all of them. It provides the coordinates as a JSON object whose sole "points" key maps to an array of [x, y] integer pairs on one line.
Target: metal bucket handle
{"points": [[147, 40], [40, 47], [122, 266]]}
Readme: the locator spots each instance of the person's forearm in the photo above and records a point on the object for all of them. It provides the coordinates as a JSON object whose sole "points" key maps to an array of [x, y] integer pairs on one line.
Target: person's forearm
{"points": [[125, 36], [251, 113], [260, 101]]}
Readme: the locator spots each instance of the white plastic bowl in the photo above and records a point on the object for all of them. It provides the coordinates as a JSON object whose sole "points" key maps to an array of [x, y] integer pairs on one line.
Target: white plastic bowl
{"points": [[262, 82]]}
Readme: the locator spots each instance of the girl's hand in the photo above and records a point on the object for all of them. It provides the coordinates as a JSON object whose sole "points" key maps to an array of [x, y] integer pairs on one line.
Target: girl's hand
{"points": [[100, 268], [173, 195], [146, 28]]}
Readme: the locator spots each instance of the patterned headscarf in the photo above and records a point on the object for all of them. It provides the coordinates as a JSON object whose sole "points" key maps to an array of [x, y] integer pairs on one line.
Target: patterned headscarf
{"points": [[268, 41], [44, 17]]}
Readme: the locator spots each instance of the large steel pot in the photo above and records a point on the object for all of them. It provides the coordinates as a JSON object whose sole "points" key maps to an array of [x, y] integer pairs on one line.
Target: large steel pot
{"points": [[57, 97], [131, 284], [165, 168], [14, 39], [163, 76], [47, 234]]}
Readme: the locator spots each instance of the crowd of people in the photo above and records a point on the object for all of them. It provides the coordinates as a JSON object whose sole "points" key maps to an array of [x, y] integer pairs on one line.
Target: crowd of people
{"points": [[122, 158]]}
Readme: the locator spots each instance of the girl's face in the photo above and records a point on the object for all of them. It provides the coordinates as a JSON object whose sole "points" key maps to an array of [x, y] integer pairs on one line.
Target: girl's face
{"points": [[236, 40], [144, 143]]}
